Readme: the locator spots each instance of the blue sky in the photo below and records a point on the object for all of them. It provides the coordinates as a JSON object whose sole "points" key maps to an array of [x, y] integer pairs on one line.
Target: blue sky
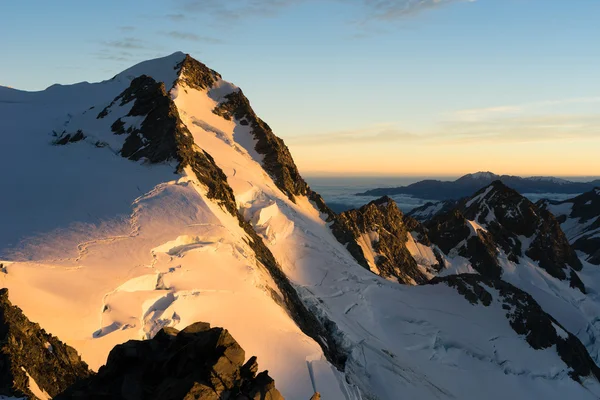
{"points": [[356, 86]]}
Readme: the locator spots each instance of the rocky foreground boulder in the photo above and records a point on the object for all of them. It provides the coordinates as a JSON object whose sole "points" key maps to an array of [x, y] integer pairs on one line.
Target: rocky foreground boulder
{"points": [[198, 362], [32, 360]]}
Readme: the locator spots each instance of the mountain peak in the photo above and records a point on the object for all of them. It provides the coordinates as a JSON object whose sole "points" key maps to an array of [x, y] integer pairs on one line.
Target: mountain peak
{"points": [[481, 175]]}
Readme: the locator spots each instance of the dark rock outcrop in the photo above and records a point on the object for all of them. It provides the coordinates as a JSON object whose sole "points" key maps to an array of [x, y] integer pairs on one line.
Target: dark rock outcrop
{"points": [[383, 219], [66, 138], [451, 233], [156, 139], [196, 75], [198, 362], [526, 318], [277, 161], [580, 219], [510, 223], [25, 348]]}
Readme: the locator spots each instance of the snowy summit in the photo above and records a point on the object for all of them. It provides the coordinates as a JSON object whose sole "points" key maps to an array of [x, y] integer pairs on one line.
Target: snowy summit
{"points": [[138, 206]]}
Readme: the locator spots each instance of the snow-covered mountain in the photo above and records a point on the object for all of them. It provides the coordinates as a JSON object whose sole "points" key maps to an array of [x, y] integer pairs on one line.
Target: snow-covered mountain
{"points": [[579, 218], [158, 199]]}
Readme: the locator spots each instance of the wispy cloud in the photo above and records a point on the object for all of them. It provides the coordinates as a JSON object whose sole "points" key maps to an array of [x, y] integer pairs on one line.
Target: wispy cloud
{"points": [[383, 10], [486, 113], [500, 128], [379, 133], [127, 28], [193, 37], [130, 43], [395, 9], [522, 129], [176, 17]]}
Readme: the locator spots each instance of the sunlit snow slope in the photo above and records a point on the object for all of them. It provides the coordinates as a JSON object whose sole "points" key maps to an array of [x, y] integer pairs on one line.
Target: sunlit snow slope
{"points": [[100, 248]]}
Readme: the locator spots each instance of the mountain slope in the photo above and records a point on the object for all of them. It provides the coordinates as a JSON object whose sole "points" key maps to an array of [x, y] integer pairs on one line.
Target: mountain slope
{"points": [[178, 204], [470, 183], [579, 218], [501, 235]]}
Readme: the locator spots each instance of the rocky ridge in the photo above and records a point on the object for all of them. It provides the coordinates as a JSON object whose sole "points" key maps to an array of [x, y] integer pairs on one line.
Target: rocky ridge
{"points": [[498, 218], [579, 218], [379, 227], [198, 362], [28, 353]]}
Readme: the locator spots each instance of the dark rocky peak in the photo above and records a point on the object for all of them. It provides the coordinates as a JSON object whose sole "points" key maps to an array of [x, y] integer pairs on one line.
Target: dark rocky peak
{"points": [[26, 350], [156, 139], [198, 362], [498, 218], [527, 319], [376, 236], [500, 204], [454, 235], [196, 75]]}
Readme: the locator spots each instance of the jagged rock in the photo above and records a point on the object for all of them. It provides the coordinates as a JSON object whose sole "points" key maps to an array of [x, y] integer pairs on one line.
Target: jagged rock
{"points": [[381, 226], [580, 219], [25, 348], [277, 161], [157, 137], [70, 138], [451, 233], [527, 318], [198, 362], [505, 218], [195, 74]]}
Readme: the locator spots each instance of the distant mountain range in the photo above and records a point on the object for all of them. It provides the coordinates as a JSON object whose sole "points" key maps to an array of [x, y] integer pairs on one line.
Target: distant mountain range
{"points": [[466, 185]]}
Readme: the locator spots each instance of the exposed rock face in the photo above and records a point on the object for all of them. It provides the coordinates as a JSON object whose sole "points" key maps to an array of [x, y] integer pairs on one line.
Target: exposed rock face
{"points": [[70, 138], [277, 161], [526, 318], [580, 220], [196, 75], [379, 226], [453, 235], [198, 362], [155, 139], [498, 218], [25, 348]]}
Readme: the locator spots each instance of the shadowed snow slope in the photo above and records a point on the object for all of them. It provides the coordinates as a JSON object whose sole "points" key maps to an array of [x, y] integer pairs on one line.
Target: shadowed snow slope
{"points": [[171, 202]]}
